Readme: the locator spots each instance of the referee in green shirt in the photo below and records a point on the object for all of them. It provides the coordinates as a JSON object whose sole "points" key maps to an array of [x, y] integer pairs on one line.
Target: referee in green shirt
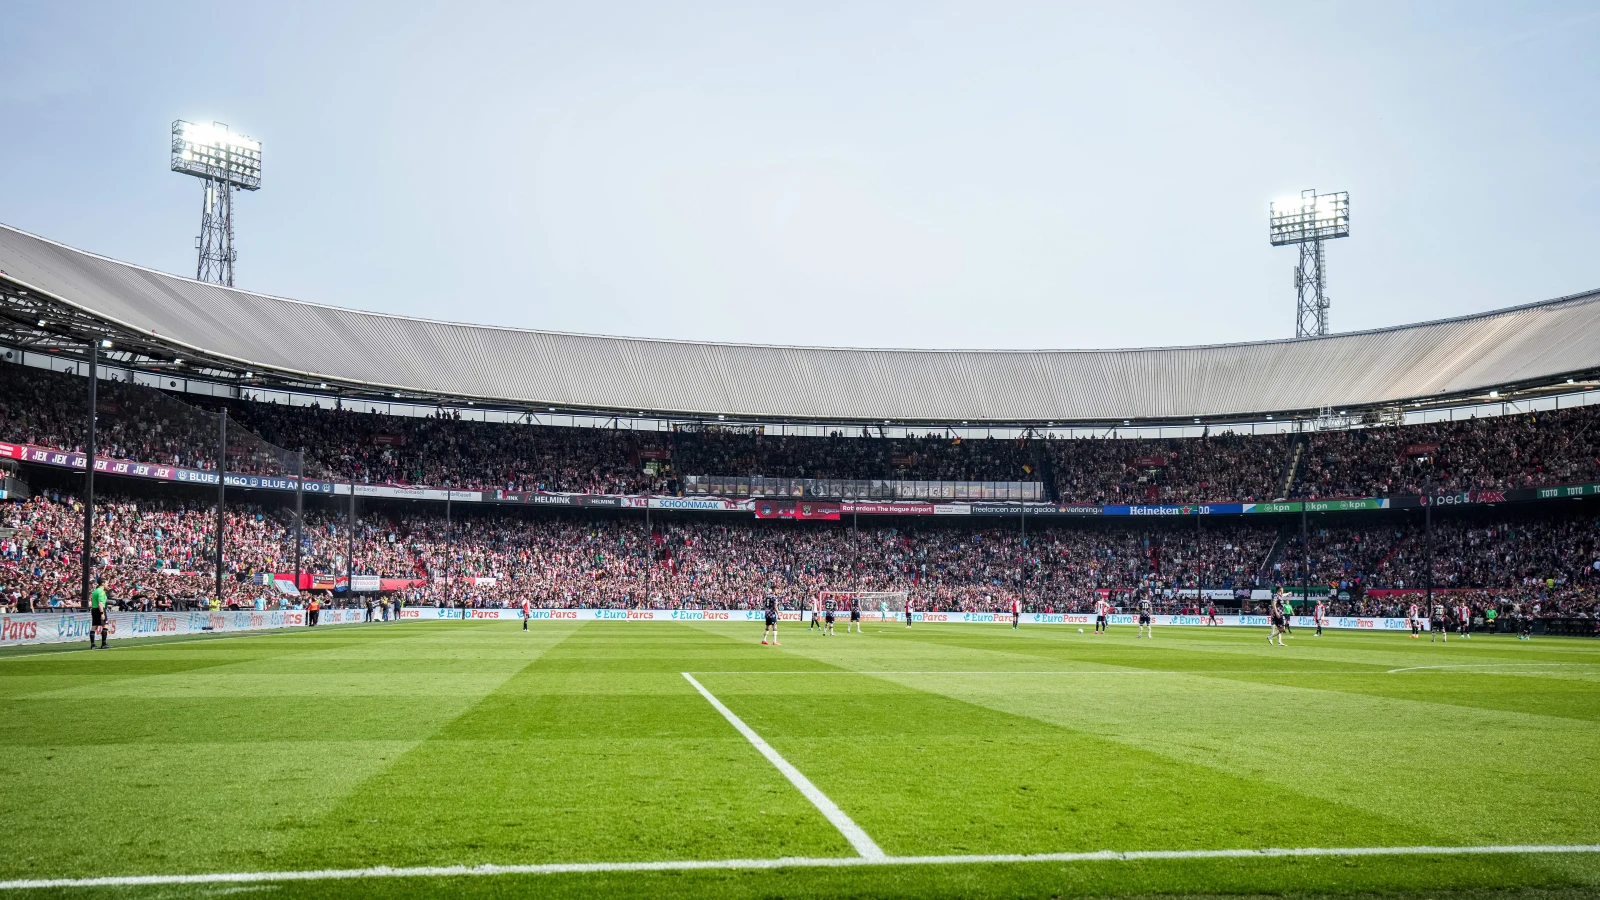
{"points": [[97, 614]]}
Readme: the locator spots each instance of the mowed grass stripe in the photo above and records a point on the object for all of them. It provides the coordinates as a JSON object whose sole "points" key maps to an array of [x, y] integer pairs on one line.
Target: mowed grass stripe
{"points": [[1200, 647], [852, 832], [929, 774], [1375, 753], [1339, 661], [1525, 777], [36, 673], [597, 750], [171, 781], [1149, 758]]}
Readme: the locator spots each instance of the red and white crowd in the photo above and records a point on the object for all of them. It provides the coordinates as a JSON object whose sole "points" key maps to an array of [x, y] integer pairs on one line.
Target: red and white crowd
{"points": [[162, 553], [137, 422]]}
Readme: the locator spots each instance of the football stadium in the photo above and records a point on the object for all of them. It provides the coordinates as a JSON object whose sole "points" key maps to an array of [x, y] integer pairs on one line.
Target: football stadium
{"points": [[302, 599]]}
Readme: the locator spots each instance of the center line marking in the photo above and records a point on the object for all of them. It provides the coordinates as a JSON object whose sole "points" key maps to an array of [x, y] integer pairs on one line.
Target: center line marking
{"points": [[852, 832]]}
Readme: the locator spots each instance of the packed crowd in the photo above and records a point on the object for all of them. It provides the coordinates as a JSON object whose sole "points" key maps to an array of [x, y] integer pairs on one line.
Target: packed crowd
{"points": [[1556, 560], [155, 552], [1499, 453], [162, 553], [137, 422], [1214, 468], [133, 422]]}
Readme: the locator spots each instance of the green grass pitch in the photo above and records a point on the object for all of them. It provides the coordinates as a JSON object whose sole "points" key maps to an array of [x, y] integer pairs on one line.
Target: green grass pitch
{"points": [[464, 744]]}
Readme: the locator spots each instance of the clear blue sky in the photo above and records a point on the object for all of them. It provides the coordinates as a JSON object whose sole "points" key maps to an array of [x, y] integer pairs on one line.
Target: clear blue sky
{"points": [[913, 174]]}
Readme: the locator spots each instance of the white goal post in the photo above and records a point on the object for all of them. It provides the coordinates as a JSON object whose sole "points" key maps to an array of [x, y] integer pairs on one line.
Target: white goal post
{"points": [[874, 605]]}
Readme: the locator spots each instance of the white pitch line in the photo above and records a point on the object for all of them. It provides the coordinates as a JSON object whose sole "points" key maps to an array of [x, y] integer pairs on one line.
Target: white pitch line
{"points": [[1052, 672], [1507, 665], [792, 862], [852, 832]]}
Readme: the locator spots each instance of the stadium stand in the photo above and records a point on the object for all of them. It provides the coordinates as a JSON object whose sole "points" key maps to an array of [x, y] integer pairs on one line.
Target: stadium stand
{"points": [[153, 541], [1493, 453], [157, 553]]}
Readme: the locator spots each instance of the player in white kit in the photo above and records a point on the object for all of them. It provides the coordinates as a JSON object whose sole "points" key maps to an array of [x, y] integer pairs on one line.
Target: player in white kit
{"points": [[1102, 616]]}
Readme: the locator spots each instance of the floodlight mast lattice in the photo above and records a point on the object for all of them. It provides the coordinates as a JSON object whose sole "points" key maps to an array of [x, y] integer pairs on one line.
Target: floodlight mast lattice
{"points": [[226, 162], [1308, 220]]}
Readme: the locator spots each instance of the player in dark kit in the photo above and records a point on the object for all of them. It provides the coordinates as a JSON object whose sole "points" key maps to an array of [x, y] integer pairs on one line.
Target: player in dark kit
{"points": [[855, 616], [829, 608], [1275, 611], [1439, 626], [908, 610], [770, 608]]}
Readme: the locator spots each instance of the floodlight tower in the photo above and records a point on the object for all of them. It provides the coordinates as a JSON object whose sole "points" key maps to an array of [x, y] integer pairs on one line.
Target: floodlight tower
{"points": [[1308, 220], [226, 162]]}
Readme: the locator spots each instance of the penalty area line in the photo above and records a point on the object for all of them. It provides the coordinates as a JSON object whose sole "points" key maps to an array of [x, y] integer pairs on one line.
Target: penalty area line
{"points": [[796, 862], [852, 832]]}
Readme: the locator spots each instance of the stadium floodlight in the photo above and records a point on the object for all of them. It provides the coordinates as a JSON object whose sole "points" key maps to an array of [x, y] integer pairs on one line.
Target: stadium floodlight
{"points": [[1308, 220], [226, 162]]}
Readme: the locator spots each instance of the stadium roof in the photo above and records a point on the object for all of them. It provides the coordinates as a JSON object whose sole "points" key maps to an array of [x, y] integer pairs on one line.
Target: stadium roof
{"points": [[293, 342]]}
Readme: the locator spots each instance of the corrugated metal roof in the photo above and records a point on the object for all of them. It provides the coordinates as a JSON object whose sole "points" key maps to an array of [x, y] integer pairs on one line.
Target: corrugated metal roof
{"points": [[1525, 344]]}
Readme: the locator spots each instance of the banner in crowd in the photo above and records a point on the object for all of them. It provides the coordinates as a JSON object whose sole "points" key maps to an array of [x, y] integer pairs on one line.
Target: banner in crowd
{"points": [[403, 492], [538, 499], [1032, 509], [895, 508], [795, 509], [707, 503], [66, 459], [762, 487], [132, 469]]}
